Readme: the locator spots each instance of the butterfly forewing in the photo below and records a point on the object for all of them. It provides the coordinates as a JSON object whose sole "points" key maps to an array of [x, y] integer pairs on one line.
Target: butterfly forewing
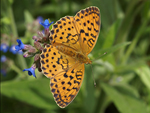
{"points": [[88, 22], [64, 32]]}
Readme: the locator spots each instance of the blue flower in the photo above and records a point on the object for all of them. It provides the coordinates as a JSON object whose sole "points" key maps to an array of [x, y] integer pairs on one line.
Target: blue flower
{"points": [[31, 71], [46, 24], [13, 50], [3, 58], [4, 47], [20, 45], [3, 72], [20, 52]]}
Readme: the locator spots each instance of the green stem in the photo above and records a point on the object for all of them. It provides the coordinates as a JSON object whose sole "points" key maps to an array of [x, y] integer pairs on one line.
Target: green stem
{"points": [[126, 26], [135, 40], [15, 33], [15, 68], [100, 102], [22, 62], [12, 21]]}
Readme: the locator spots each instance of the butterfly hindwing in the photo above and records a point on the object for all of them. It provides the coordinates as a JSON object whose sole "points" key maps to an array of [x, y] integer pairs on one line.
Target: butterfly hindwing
{"points": [[65, 73], [54, 62], [65, 86]]}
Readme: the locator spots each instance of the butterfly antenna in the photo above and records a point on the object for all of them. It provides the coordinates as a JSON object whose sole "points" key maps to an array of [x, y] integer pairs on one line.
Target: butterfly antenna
{"points": [[93, 76], [99, 56]]}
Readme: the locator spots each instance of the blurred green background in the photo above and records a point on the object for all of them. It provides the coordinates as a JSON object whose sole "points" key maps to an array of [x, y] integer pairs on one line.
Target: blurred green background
{"points": [[122, 75]]}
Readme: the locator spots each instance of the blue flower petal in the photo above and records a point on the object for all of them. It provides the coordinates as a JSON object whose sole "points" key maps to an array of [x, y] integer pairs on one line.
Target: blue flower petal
{"points": [[20, 45], [13, 49], [3, 58], [46, 24], [20, 52], [3, 72], [4, 47], [31, 71]]}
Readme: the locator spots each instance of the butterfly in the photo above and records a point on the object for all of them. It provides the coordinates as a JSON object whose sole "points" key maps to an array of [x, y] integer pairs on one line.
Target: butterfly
{"points": [[71, 40]]}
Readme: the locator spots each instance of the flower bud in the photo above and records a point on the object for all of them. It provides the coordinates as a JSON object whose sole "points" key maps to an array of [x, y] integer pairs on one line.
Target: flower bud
{"points": [[38, 46], [27, 54], [40, 34], [27, 47], [47, 32], [32, 50], [35, 38], [36, 57]]}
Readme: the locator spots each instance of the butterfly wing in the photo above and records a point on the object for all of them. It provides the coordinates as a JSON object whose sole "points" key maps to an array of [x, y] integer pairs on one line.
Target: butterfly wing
{"points": [[65, 86], [79, 32], [54, 62], [88, 23], [65, 73], [64, 32]]}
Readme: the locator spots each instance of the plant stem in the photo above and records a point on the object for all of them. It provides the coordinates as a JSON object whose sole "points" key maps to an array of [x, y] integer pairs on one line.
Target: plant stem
{"points": [[135, 40], [15, 33], [15, 68], [12, 21], [100, 101], [126, 26]]}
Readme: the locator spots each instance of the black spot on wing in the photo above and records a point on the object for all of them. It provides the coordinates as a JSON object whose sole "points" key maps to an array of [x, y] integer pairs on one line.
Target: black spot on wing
{"points": [[63, 19], [81, 31], [42, 56], [90, 42], [82, 11], [55, 26], [52, 32], [59, 22]]}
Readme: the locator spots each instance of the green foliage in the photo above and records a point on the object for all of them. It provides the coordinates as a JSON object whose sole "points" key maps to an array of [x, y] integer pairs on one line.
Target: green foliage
{"points": [[122, 75]]}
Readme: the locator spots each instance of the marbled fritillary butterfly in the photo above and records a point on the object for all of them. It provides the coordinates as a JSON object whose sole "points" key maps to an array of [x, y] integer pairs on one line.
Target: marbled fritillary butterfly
{"points": [[71, 40]]}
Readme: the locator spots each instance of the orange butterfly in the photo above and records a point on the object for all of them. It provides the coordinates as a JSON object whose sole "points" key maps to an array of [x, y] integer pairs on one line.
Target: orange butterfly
{"points": [[71, 40]]}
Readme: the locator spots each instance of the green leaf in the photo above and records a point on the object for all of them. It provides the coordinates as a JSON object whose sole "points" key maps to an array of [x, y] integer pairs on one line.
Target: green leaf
{"points": [[5, 20], [124, 99], [111, 34], [138, 34], [35, 92], [134, 64], [110, 50], [89, 99], [108, 10], [122, 78], [127, 23], [144, 73], [28, 17]]}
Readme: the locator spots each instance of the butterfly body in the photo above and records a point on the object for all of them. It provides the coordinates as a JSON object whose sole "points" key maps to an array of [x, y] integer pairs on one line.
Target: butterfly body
{"points": [[73, 53], [71, 40]]}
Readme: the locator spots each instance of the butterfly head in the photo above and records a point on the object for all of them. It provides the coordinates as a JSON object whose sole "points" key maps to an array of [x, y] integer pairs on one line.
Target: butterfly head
{"points": [[88, 61]]}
